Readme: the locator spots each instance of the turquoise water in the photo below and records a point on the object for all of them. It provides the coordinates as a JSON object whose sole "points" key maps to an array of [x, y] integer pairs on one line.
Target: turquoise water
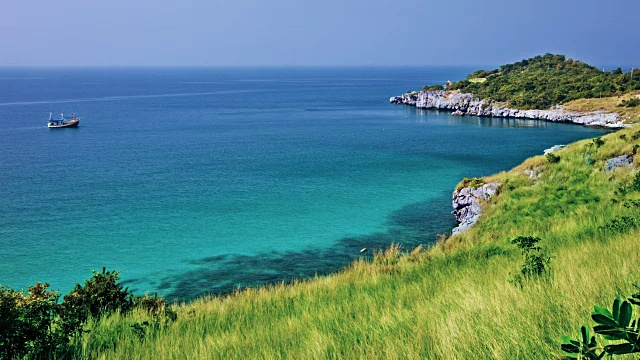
{"points": [[204, 180]]}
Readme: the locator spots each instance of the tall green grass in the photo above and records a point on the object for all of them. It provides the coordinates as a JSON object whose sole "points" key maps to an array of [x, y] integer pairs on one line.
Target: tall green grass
{"points": [[455, 300]]}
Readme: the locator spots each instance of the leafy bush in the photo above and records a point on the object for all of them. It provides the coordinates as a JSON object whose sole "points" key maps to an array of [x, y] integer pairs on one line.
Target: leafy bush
{"points": [[621, 224], [433, 87], [26, 323], [615, 325], [552, 159], [471, 182], [156, 306], [631, 204], [624, 190], [598, 142], [635, 185], [635, 136], [100, 295], [630, 103], [35, 325], [536, 262]]}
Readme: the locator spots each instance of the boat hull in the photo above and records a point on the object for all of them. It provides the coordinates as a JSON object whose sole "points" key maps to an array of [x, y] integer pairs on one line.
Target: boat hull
{"points": [[68, 124]]}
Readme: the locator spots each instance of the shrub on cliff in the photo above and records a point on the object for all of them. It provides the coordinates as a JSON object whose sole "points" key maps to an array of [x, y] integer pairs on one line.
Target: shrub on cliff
{"points": [[470, 182], [27, 323], [35, 325], [433, 87], [552, 158], [536, 262], [100, 295], [630, 103]]}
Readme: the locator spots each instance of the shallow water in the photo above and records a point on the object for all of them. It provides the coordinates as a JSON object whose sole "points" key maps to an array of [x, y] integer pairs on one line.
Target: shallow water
{"points": [[193, 181]]}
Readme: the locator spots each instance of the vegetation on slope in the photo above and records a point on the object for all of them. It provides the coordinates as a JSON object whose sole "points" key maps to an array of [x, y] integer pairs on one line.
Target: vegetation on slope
{"points": [[457, 300], [618, 104], [545, 81]]}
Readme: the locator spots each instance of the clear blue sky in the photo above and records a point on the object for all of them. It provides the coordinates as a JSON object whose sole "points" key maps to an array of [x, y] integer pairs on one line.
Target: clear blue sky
{"points": [[315, 32]]}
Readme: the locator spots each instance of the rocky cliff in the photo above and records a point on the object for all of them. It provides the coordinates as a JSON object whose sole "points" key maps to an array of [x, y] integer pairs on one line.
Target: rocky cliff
{"points": [[466, 104], [467, 204]]}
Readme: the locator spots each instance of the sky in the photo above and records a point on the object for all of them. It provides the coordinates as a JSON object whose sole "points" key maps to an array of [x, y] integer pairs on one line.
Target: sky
{"points": [[315, 32]]}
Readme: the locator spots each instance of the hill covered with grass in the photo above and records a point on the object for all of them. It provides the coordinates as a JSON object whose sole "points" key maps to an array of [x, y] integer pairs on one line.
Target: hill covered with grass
{"points": [[547, 80], [464, 298]]}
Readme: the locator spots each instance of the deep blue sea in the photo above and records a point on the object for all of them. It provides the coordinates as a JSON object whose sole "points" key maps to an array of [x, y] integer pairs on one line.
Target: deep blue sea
{"points": [[197, 181]]}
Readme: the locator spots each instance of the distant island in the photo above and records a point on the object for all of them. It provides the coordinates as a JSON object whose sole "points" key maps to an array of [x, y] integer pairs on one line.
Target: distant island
{"points": [[547, 87]]}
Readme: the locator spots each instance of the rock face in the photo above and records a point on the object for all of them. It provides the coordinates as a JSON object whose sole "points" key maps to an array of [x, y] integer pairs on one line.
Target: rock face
{"points": [[534, 173], [466, 104], [619, 161], [467, 204], [554, 148]]}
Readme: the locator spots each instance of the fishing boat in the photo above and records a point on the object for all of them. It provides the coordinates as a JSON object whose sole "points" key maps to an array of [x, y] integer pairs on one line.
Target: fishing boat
{"points": [[63, 122]]}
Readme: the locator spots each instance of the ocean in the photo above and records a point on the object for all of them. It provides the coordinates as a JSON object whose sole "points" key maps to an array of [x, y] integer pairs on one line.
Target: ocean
{"points": [[202, 181]]}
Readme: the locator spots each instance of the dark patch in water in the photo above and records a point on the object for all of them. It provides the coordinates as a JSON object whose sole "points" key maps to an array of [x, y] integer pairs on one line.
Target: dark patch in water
{"points": [[217, 275]]}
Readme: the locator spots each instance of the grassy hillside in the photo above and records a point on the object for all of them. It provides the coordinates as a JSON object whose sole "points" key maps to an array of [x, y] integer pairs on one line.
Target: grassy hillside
{"points": [[544, 81], [630, 114], [456, 300]]}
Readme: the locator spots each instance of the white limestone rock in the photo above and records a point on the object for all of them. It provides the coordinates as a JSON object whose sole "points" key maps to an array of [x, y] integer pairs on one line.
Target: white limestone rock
{"points": [[466, 104], [467, 204], [619, 161]]}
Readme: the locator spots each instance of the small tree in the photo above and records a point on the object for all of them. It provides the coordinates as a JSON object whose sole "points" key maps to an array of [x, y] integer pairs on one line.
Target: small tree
{"points": [[536, 262]]}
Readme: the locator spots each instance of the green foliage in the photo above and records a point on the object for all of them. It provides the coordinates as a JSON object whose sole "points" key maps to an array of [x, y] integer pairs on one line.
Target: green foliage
{"points": [[471, 182], [26, 323], [99, 296], [634, 151], [544, 81], [155, 306], [630, 103], [536, 263], [552, 159], [631, 204], [622, 224], [614, 325], [635, 185], [35, 325], [635, 136], [598, 142], [433, 87]]}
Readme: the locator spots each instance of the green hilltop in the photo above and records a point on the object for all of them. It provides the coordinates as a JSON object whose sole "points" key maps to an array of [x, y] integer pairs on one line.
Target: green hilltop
{"points": [[547, 80]]}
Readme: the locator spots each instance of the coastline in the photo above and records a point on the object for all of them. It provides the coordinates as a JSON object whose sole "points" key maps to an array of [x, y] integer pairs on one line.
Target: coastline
{"points": [[463, 104]]}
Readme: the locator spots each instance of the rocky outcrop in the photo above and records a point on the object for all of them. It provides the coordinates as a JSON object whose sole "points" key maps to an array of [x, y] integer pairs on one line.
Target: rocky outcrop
{"points": [[467, 204], [534, 173], [466, 104], [619, 161], [554, 148], [405, 99]]}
